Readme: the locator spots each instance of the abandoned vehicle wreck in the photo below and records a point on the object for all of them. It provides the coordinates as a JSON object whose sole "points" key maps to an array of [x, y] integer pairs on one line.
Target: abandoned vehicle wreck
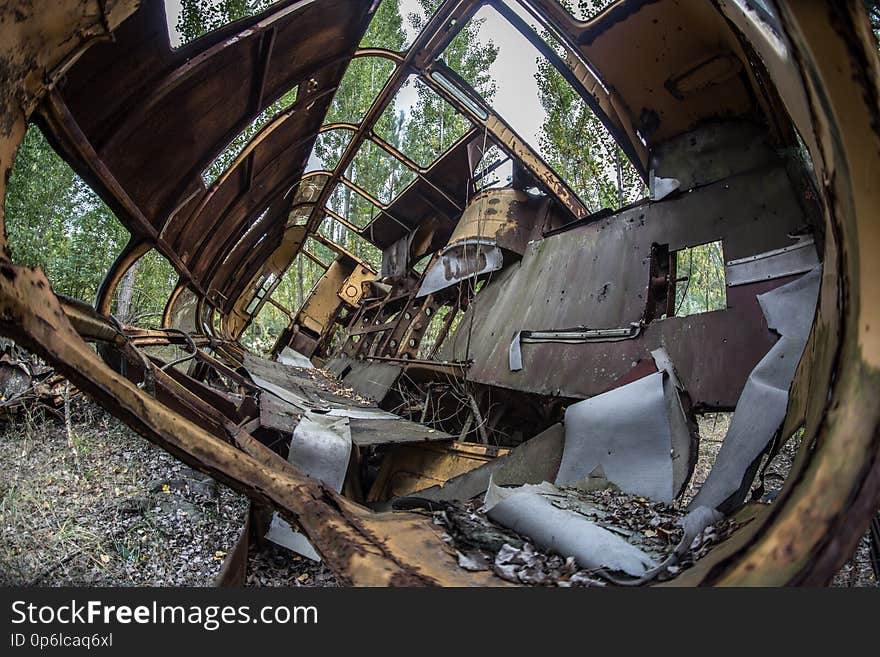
{"points": [[502, 355]]}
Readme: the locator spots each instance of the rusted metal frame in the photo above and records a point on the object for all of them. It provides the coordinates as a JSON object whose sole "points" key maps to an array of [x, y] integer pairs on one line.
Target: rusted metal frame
{"points": [[154, 91], [266, 46], [423, 173], [172, 299], [257, 138], [424, 44], [417, 326], [234, 282], [436, 208], [386, 348], [313, 257], [196, 172], [446, 365], [131, 253], [507, 137], [277, 281], [374, 328], [223, 369], [220, 404], [204, 240], [580, 78], [363, 131], [267, 297], [200, 307], [56, 113], [279, 306], [326, 241], [256, 254], [384, 207]]}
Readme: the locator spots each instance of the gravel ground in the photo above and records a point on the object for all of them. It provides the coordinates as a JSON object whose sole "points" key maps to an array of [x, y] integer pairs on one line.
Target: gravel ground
{"points": [[119, 512]]}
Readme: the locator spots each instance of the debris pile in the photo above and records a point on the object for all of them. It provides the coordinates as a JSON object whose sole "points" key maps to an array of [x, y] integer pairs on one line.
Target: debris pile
{"points": [[652, 527], [24, 378]]}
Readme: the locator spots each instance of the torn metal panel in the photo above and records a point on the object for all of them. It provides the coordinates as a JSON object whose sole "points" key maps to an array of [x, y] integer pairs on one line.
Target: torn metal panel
{"points": [[371, 431], [569, 533], [627, 433], [407, 469], [761, 408], [321, 447], [458, 262], [372, 379], [281, 533], [395, 258], [292, 357], [712, 152]]}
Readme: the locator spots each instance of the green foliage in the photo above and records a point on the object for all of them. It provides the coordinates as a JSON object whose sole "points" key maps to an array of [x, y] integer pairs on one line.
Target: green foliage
{"points": [[576, 144], [55, 221], [198, 17], [154, 282]]}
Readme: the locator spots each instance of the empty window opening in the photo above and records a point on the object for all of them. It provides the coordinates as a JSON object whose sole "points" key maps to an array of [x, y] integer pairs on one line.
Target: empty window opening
{"points": [[494, 170], [700, 283], [397, 23], [362, 82], [263, 287], [346, 238], [187, 20], [443, 324], [298, 282], [319, 252], [260, 335], [227, 156], [379, 173], [328, 148], [420, 124], [142, 293], [348, 204]]}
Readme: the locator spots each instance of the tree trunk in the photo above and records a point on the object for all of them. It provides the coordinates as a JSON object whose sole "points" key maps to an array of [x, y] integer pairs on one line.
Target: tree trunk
{"points": [[125, 294], [299, 280]]}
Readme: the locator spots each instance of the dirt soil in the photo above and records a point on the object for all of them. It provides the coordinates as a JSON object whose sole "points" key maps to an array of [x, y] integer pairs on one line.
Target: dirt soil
{"points": [[108, 508]]}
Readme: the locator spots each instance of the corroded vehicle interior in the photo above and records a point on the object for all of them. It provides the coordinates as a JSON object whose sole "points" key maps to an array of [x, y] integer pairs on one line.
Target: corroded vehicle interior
{"points": [[755, 129]]}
